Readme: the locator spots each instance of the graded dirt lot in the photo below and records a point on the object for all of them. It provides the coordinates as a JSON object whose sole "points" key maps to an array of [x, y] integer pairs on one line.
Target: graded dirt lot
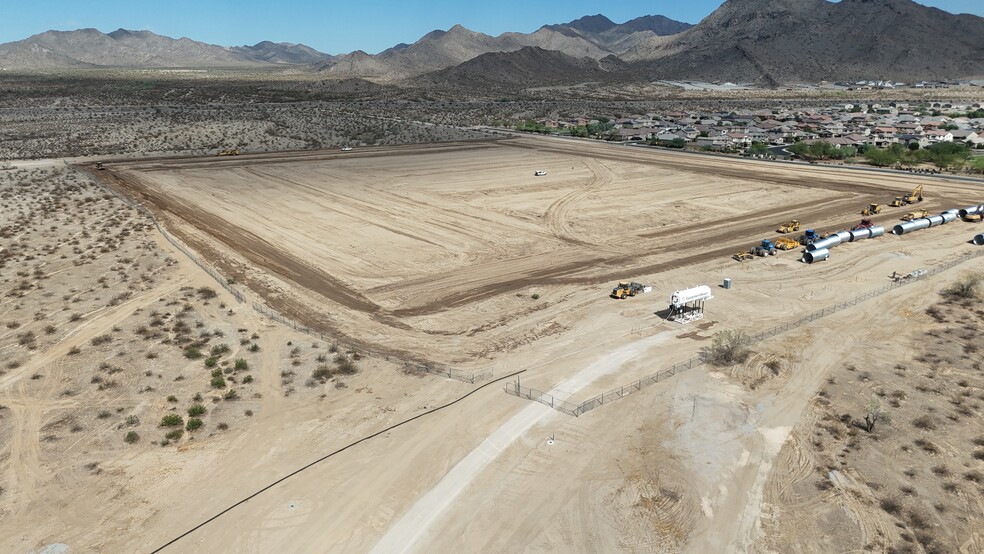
{"points": [[435, 252], [418, 244]]}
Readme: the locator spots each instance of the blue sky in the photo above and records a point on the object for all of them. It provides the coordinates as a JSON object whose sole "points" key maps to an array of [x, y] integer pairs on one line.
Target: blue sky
{"points": [[337, 26]]}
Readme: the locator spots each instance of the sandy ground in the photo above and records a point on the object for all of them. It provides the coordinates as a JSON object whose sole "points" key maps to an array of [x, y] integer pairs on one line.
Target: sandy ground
{"points": [[369, 245], [424, 245]]}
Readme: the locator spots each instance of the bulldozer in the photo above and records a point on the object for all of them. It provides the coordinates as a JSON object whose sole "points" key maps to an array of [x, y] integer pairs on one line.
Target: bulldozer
{"points": [[625, 289], [790, 227], [228, 152], [872, 209], [743, 255], [784, 243], [915, 196], [918, 214]]}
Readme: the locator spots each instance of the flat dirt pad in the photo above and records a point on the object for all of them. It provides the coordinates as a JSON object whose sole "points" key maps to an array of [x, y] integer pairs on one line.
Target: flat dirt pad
{"points": [[436, 238]]}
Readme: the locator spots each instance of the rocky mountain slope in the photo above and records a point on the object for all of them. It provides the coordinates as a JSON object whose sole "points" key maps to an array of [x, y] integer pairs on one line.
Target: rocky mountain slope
{"points": [[123, 48], [530, 65], [768, 42], [781, 41]]}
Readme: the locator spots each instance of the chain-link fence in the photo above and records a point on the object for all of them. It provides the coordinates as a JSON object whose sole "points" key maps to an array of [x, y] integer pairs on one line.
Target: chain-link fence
{"points": [[614, 394], [409, 366], [174, 242]]}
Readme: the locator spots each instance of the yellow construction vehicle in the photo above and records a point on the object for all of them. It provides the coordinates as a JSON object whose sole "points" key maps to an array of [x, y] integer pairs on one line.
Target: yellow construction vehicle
{"points": [[790, 227], [872, 209], [977, 216], [625, 289], [915, 196], [784, 243], [743, 255], [229, 152], [918, 214]]}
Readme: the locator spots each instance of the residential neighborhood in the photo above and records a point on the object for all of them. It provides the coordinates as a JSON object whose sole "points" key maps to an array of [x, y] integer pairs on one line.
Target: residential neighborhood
{"points": [[845, 125]]}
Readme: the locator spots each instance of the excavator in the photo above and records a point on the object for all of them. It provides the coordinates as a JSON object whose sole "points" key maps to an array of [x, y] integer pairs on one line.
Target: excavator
{"points": [[790, 227], [916, 196], [872, 209]]}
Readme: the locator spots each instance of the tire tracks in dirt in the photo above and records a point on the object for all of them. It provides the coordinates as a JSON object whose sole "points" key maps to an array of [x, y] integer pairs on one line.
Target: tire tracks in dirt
{"points": [[557, 215], [692, 243]]}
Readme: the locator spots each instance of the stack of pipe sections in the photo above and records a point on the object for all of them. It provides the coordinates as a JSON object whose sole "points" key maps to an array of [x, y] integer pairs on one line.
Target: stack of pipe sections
{"points": [[949, 216]]}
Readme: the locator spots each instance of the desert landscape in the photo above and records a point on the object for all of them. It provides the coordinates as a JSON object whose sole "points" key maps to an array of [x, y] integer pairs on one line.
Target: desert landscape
{"points": [[507, 278], [139, 394]]}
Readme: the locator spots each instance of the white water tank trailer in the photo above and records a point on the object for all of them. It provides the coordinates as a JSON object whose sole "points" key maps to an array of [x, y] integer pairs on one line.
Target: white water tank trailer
{"points": [[696, 294]]}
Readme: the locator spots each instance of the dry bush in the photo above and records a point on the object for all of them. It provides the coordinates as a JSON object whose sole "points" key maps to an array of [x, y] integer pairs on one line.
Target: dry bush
{"points": [[729, 347], [966, 287]]}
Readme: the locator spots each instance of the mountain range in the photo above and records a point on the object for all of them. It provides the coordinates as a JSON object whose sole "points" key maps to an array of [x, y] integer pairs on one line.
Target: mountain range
{"points": [[768, 42]]}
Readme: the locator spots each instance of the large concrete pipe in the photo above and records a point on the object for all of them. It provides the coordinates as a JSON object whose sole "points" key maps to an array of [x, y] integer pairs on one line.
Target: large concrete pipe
{"points": [[877, 231], [935, 220], [845, 236], [949, 216], [817, 255], [979, 239], [828, 242], [910, 226]]}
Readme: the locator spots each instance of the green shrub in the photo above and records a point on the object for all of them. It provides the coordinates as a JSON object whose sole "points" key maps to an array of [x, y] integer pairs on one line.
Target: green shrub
{"points": [[196, 410], [171, 420], [231, 394], [131, 437], [218, 382], [241, 364], [172, 398], [194, 424], [254, 347], [174, 434], [211, 361], [193, 353], [247, 379], [219, 349]]}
